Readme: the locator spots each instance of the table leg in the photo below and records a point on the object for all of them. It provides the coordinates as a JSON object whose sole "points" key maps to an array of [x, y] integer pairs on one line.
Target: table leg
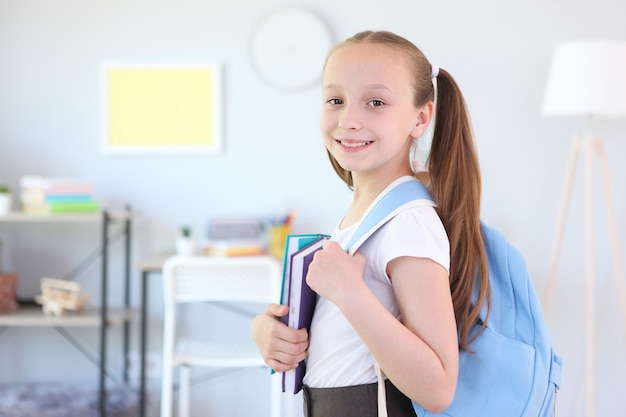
{"points": [[142, 366]]}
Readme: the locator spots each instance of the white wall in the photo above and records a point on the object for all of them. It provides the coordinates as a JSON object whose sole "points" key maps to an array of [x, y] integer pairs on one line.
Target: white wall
{"points": [[499, 53]]}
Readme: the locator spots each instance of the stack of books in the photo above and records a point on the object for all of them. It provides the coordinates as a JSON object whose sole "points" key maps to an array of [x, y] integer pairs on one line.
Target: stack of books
{"points": [[49, 195], [296, 293], [235, 237]]}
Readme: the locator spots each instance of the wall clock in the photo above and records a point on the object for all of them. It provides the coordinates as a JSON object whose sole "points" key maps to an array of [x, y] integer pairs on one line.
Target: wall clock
{"points": [[289, 47]]}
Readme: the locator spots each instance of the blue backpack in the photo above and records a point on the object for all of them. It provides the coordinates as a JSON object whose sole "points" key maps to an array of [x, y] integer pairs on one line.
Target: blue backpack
{"points": [[513, 370]]}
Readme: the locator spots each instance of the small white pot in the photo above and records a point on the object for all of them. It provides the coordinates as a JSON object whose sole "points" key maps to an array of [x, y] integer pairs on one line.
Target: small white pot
{"points": [[185, 246], [5, 203]]}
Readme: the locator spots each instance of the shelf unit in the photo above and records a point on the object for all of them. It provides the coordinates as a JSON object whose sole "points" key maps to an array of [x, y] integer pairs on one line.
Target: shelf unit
{"points": [[102, 317], [28, 316]]}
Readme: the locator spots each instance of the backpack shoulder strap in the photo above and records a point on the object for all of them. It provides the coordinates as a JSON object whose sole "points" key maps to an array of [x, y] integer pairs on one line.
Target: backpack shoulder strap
{"points": [[399, 195]]}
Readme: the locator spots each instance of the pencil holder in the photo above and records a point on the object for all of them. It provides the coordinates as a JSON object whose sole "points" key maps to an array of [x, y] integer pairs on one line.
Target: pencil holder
{"points": [[276, 238]]}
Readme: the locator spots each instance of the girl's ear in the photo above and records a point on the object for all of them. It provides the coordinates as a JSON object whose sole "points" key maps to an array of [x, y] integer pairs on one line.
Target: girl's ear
{"points": [[424, 117]]}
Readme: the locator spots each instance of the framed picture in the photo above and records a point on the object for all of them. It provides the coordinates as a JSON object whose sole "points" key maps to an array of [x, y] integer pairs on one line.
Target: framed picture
{"points": [[164, 109]]}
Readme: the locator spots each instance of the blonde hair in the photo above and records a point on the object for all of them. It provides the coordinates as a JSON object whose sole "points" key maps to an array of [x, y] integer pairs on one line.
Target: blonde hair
{"points": [[455, 179]]}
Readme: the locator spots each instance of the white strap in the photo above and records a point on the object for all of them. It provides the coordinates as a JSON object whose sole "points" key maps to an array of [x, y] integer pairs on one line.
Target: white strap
{"points": [[382, 396]]}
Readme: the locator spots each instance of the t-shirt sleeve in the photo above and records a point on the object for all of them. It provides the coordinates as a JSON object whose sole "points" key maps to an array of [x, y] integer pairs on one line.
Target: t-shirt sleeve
{"points": [[416, 232]]}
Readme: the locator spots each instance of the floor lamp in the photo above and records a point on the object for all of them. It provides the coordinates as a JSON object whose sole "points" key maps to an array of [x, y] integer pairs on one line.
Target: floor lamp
{"points": [[588, 79]]}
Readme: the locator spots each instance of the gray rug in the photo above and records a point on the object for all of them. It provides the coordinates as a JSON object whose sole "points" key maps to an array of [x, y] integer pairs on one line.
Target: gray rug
{"points": [[63, 400]]}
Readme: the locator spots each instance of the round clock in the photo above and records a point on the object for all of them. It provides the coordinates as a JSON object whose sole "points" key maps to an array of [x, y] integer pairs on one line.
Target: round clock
{"points": [[289, 48]]}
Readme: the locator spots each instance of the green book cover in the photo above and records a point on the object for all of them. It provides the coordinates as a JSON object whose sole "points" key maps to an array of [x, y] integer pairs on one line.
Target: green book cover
{"points": [[73, 207]]}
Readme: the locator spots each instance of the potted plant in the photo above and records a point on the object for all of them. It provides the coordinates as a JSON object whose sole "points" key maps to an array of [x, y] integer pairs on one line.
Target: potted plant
{"points": [[185, 244], [5, 199]]}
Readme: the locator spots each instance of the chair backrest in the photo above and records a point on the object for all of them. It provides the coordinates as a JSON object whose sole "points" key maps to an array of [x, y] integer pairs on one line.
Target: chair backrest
{"points": [[227, 279], [221, 280]]}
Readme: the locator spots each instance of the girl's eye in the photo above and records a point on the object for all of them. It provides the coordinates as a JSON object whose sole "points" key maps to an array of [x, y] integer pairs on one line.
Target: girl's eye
{"points": [[376, 103], [334, 101]]}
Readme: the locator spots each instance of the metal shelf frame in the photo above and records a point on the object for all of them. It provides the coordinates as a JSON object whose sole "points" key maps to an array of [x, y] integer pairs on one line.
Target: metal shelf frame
{"points": [[103, 317]]}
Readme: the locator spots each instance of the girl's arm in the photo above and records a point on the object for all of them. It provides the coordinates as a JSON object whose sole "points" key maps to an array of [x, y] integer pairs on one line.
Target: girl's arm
{"points": [[420, 355], [282, 347]]}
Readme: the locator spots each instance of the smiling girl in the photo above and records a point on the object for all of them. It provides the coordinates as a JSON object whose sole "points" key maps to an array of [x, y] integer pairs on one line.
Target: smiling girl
{"points": [[403, 300]]}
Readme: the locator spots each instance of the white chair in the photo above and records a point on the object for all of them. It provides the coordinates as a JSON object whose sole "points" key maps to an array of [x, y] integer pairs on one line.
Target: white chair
{"points": [[254, 279]]}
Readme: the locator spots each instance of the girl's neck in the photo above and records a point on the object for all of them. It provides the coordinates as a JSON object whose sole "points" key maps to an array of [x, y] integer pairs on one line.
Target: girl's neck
{"points": [[365, 192]]}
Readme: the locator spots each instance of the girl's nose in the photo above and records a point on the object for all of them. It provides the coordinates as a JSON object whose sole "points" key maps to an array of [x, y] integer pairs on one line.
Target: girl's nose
{"points": [[349, 118]]}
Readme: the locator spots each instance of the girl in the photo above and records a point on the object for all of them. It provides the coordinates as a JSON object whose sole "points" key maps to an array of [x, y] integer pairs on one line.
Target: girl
{"points": [[403, 300]]}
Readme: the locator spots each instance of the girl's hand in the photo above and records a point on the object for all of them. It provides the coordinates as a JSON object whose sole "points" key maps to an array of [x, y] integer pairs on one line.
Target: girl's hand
{"points": [[282, 347], [334, 274]]}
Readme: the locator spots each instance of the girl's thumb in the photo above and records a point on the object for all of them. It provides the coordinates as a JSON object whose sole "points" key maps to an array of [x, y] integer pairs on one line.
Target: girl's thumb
{"points": [[277, 310]]}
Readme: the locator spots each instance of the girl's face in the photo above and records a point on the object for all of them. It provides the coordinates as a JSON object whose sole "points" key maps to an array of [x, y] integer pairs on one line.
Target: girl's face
{"points": [[368, 117]]}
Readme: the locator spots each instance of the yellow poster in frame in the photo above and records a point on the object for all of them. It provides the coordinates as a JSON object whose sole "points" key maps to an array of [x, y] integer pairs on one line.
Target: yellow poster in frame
{"points": [[170, 109]]}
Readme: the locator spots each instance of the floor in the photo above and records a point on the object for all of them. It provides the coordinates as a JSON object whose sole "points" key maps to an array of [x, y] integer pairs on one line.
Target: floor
{"points": [[64, 400]]}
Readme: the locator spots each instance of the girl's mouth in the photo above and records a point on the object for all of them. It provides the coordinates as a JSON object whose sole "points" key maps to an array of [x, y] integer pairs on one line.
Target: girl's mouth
{"points": [[353, 144]]}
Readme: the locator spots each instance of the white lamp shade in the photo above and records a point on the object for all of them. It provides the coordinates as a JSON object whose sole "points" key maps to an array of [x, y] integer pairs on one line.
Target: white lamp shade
{"points": [[587, 78]]}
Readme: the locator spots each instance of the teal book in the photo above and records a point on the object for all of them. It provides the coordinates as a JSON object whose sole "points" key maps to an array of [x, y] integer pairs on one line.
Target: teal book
{"points": [[293, 243], [68, 198]]}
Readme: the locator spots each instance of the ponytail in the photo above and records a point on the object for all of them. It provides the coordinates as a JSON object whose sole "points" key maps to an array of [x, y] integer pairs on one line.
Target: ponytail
{"points": [[456, 186]]}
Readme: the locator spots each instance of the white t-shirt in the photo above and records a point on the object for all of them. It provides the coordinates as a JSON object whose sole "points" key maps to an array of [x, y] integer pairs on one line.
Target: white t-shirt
{"points": [[337, 357]]}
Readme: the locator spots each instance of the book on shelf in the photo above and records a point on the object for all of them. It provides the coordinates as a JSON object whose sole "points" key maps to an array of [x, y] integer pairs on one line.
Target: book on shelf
{"points": [[61, 208], [52, 195], [35, 197], [296, 293], [56, 185]]}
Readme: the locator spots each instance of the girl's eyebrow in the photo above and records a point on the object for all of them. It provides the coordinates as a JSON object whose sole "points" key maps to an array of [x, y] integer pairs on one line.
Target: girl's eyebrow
{"points": [[379, 87]]}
